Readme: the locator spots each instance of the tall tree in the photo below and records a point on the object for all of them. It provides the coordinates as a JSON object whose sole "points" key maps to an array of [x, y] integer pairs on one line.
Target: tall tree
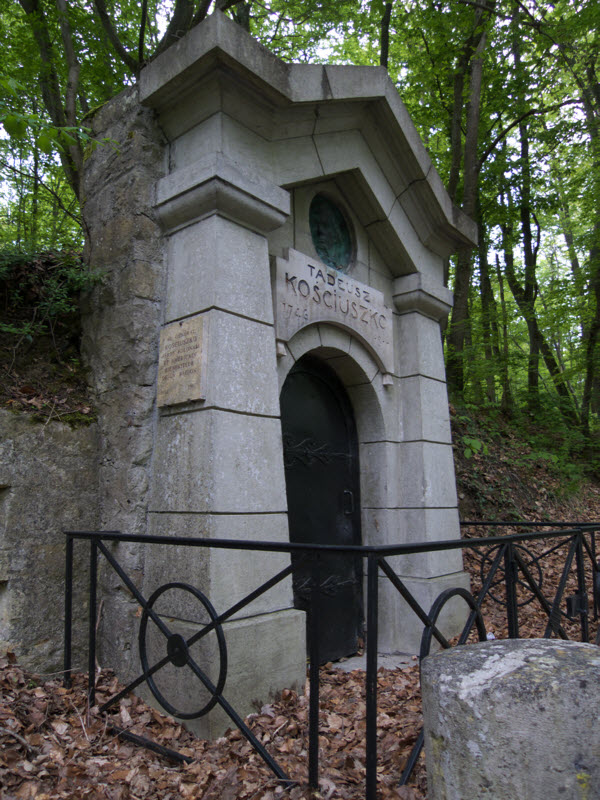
{"points": [[467, 84], [504, 93]]}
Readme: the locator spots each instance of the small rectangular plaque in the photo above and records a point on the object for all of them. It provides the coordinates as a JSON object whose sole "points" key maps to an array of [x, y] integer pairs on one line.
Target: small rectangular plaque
{"points": [[181, 362]]}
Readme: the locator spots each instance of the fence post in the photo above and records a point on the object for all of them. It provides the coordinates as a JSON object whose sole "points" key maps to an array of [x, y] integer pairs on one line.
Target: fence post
{"points": [[581, 589], [92, 624], [371, 688], [511, 573], [67, 663], [595, 573], [313, 649]]}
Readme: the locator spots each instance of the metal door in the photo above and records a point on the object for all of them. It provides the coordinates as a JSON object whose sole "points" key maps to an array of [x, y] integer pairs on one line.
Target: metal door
{"points": [[322, 484]]}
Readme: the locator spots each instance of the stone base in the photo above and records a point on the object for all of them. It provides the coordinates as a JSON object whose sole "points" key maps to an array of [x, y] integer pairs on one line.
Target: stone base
{"points": [[400, 630], [512, 719], [265, 654]]}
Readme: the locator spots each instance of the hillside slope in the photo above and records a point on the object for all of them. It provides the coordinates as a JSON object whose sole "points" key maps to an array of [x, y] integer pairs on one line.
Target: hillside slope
{"points": [[509, 470]]}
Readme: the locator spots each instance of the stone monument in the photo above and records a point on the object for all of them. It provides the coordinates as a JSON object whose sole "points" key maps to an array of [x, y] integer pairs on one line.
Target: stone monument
{"points": [[273, 237]]}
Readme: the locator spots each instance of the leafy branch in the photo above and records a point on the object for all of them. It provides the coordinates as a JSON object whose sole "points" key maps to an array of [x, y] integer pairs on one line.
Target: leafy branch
{"points": [[22, 173]]}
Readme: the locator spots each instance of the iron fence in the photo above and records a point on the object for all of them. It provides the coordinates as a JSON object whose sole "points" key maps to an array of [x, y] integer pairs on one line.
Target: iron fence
{"points": [[510, 576]]}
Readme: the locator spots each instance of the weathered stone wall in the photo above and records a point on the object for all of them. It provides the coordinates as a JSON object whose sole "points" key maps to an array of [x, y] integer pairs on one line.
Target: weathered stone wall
{"points": [[53, 478], [122, 319], [48, 483]]}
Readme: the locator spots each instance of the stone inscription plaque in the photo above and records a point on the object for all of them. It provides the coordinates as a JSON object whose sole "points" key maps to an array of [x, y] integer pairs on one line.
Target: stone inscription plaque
{"points": [[307, 292], [181, 362]]}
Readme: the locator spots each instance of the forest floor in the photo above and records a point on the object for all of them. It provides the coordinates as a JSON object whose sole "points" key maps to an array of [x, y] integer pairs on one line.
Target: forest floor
{"points": [[53, 746], [44, 378]]}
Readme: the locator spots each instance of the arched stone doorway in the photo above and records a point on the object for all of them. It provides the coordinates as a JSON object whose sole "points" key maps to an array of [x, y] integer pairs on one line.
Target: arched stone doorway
{"points": [[320, 450]]}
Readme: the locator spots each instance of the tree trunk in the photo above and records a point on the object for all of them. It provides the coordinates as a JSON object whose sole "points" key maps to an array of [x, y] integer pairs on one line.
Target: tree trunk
{"points": [[384, 49], [591, 354], [590, 399], [506, 402], [72, 156], [537, 340], [464, 262], [489, 324], [241, 15]]}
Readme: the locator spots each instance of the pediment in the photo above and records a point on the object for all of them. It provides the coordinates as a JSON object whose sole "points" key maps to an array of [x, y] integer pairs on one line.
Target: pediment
{"points": [[293, 124]]}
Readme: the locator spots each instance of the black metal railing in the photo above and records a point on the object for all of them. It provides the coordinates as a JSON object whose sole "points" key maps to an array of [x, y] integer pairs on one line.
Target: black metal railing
{"points": [[510, 574]]}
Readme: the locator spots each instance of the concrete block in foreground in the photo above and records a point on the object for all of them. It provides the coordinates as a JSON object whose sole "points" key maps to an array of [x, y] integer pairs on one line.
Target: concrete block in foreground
{"points": [[513, 719]]}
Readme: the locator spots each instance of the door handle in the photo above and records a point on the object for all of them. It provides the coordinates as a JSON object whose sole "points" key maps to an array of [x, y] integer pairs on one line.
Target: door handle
{"points": [[348, 502]]}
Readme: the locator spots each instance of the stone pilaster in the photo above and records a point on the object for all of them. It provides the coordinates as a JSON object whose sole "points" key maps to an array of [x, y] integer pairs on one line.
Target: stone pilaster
{"points": [[425, 507], [218, 462]]}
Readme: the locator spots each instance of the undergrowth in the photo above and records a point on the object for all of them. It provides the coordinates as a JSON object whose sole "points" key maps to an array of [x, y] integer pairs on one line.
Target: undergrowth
{"points": [[40, 332], [39, 292], [518, 466]]}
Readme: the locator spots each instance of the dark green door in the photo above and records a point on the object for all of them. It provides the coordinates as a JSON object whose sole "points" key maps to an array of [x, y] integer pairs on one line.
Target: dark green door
{"points": [[322, 484]]}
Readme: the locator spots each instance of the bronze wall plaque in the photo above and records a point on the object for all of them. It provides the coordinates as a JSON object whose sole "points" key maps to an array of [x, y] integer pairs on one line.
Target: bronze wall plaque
{"points": [[181, 365]]}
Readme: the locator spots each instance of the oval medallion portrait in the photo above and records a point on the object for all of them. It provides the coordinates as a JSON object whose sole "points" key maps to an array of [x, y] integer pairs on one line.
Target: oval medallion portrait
{"points": [[330, 233]]}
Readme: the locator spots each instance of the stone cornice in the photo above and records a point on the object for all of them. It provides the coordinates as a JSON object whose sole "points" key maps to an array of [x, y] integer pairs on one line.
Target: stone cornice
{"points": [[215, 185], [417, 293]]}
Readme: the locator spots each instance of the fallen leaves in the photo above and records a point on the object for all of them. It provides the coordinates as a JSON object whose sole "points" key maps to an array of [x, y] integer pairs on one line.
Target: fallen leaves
{"points": [[49, 400], [53, 746]]}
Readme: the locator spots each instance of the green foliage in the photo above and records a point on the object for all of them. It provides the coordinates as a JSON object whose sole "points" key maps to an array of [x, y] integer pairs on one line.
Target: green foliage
{"points": [[45, 136], [543, 444], [540, 65], [472, 445], [40, 291]]}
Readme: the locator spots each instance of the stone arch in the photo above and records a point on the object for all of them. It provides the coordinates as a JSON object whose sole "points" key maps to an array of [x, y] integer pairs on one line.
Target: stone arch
{"points": [[362, 377]]}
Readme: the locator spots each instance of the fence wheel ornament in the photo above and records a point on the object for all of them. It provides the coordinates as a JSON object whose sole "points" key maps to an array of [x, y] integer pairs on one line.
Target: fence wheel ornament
{"points": [[178, 650], [436, 609]]}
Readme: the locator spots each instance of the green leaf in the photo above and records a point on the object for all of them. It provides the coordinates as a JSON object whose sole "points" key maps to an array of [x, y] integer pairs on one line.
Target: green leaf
{"points": [[45, 143], [15, 126], [66, 139], [11, 86]]}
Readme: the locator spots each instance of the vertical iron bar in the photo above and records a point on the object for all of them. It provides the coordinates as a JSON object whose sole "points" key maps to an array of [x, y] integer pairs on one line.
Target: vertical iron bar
{"points": [[555, 613], [512, 609], [481, 595], [595, 568], [92, 624], [371, 678], [581, 589], [413, 758], [67, 665], [313, 705]]}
